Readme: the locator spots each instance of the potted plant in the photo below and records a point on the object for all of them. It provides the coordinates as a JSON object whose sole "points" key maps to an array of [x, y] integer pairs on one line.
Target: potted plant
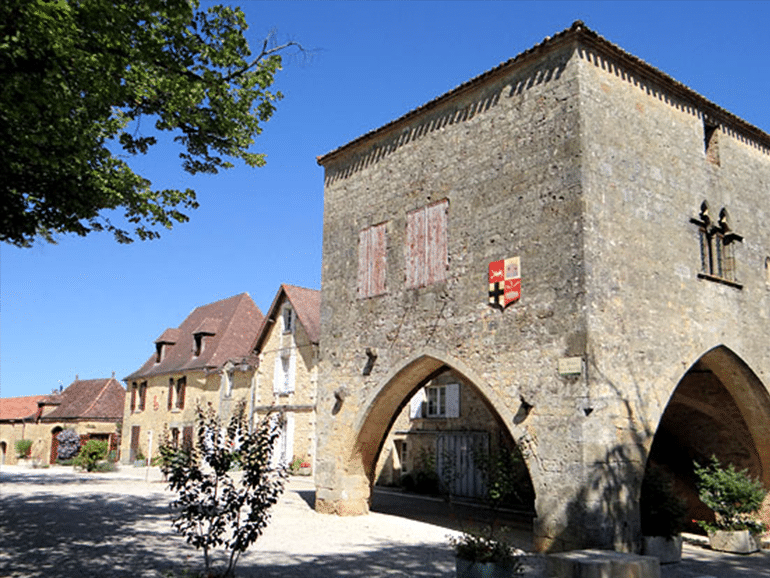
{"points": [[735, 498], [663, 516], [483, 556], [305, 469]]}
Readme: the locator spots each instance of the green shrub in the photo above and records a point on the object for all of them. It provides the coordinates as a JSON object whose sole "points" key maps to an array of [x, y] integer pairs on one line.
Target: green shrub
{"points": [[734, 496], [90, 454], [23, 448]]}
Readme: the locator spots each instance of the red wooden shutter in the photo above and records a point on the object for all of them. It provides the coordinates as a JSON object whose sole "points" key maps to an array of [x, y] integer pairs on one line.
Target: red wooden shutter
{"points": [[415, 248], [170, 392], [436, 243], [181, 387], [372, 263], [142, 395], [187, 437], [133, 397]]}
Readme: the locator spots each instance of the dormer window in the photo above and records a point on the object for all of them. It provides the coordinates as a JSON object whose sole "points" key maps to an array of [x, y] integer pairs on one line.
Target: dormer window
{"points": [[288, 320], [207, 327], [198, 346], [162, 343]]}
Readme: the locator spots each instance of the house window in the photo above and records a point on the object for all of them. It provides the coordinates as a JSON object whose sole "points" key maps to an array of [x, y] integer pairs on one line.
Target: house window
{"points": [[288, 320], [436, 401], [717, 247], [142, 395], [175, 437], [436, 397], [159, 352], [426, 245], [285, 369], [372, 261], [198, 344]]}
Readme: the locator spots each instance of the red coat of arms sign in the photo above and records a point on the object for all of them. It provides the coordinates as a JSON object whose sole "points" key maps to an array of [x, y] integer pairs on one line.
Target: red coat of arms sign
{"points": [[504, 282]]}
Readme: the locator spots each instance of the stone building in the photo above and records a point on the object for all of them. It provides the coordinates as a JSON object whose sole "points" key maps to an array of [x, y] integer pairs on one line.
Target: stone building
{"points": [[91, 407], [287, 374], [206, 360], [585, 241]]}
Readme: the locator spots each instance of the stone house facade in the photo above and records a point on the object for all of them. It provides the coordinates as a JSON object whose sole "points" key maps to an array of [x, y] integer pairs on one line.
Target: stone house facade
{"points": [[91, 407], [287, 369], [206, 360], [584, 240]]}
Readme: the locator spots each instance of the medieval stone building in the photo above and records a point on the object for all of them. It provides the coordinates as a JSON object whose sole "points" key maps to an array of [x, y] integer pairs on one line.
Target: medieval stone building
{"points": [[585, 241]]}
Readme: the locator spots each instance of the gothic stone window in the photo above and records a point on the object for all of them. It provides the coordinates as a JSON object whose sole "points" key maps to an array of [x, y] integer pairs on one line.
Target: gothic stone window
{"points": [[372, 261], [426, 245], [717, 247]]}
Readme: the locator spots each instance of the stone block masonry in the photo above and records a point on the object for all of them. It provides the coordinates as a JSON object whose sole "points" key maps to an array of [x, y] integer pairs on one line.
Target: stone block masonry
{"points": [[591, 167]]}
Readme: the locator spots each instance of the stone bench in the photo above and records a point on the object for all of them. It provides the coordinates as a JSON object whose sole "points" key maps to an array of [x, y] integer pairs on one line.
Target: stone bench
{"points": [[601, 564]]}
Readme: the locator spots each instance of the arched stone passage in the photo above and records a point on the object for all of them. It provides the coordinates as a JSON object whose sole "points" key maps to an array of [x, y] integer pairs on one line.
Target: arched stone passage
{"points": [[381, 407], [719, 407]]}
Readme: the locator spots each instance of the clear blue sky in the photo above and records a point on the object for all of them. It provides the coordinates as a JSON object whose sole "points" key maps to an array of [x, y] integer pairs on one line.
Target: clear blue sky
{"points": [[89, 306]]}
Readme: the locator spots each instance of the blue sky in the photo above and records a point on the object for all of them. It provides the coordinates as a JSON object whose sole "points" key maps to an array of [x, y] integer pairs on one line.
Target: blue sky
{"points": [[89, 306]]}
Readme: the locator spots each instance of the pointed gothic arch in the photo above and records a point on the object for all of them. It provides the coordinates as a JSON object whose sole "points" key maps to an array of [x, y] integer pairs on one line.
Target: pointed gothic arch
{"points": [[720, 407], [380, 409]]}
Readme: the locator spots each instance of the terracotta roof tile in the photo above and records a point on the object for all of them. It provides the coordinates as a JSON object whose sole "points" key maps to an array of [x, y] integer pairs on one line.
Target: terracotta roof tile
{"points": [[229, 327], [170, 335], [15, 408], [91, 399]]}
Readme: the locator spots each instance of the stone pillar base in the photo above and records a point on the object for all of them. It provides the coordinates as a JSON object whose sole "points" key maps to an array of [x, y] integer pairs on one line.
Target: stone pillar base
{"points": [[601, 564], [342, 507]]}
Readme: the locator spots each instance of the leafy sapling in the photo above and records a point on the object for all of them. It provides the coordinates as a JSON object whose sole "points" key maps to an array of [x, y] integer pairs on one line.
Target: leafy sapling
{"points": [[212, 509]]}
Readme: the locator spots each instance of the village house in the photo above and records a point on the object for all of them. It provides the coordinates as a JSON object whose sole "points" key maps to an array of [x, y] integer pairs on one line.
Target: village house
{"points": [[206, 360], [582, 242], [93, 408], [287, 373]]}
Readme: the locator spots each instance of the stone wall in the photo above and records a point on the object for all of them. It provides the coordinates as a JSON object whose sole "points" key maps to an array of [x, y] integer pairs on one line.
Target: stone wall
{"points": [[589, 165]]}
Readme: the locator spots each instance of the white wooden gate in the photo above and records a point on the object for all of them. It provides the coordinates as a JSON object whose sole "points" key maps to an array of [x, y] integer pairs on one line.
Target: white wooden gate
{"points": [[456, 465]]}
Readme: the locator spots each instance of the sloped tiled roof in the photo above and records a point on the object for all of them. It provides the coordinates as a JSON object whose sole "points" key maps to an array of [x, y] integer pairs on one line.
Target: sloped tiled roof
{"points": [[16, 408], [230, 327], [90, 399], [577, 32], [306, 302]]}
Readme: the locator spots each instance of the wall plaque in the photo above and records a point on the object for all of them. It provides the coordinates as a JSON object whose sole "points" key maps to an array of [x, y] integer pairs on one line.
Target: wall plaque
{"points": [[570, 365]]}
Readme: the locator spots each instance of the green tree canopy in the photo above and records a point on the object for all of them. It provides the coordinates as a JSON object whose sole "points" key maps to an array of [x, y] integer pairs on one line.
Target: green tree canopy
{"points": [[81, 79]]}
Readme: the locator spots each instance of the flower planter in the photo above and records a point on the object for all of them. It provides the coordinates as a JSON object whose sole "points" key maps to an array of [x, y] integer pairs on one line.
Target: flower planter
{"points": [[735, 541], [469, 569], [666, 549], [305, 471]]}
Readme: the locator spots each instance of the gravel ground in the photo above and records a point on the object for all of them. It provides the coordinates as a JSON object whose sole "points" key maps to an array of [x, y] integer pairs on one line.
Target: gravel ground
{"points": [[56, 523]]}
